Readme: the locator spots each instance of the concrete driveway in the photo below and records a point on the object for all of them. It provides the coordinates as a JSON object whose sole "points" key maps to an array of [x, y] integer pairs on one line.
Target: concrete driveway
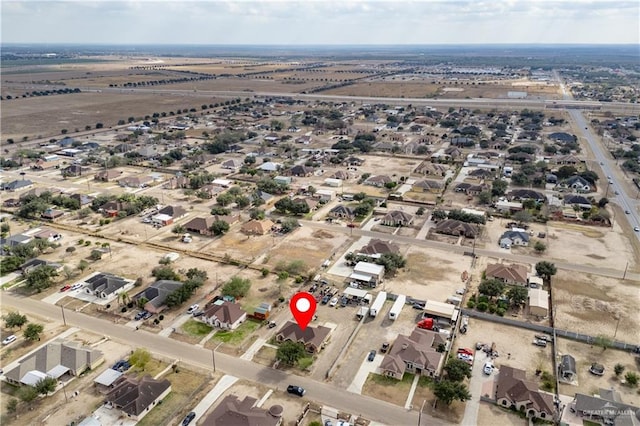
{"points": [[361, 376], [476, 384]]}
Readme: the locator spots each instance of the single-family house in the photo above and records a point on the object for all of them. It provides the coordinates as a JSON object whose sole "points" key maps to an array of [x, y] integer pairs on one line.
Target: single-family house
{"points": [[509, 274], [342, 212], [577, 183], [108, 175], [577, 200], [269, 166], [111, 208], [175, 212], [340, 175], [48, 234], [433, 169], [231, 411], [304, 139], [300, 171], [52, 214], [526, 194], [354, 161], [82, 199], [135, 181], [311, 337], [225, 315], [17, 185], [567, 371], [377, 247], [202, 225], [471, 189], [605, 408], [417, 353], [456, 228], [514, 238], [32, 264], [105, 285], [325, 195], [427, 185], [231, 164], [568, 160], [177, 182], [378, 180], [513, 390], [156, 295], [136, 397], [397, 218], [562, 137], [54, 359], [257, 227]]}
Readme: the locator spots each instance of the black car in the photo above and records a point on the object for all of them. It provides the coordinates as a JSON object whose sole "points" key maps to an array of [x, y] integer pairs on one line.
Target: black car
{"points": [[189, 418], [198, 314], [384, 348], [326, 299], [296, 390], [372, 355], [146, 315]]}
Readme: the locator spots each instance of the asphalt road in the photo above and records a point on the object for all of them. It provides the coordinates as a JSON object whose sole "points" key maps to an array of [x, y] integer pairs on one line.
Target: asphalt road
{"points": [[323, 393], [613, 273]]}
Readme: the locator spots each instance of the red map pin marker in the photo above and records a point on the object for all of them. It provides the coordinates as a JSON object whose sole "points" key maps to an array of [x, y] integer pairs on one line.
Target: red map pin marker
{"points": [[303, 306]]}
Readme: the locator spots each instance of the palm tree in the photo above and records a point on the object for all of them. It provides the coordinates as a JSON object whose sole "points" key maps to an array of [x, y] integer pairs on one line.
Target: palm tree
{"points": [[123, 297]]}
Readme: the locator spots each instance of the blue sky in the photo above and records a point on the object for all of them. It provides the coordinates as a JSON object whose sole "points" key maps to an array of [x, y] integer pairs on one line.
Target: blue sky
{"points": [[321, 22]]}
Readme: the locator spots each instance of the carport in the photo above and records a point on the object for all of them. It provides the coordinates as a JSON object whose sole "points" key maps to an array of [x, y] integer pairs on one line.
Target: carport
{"points": [[355, 293], [441, 310]]}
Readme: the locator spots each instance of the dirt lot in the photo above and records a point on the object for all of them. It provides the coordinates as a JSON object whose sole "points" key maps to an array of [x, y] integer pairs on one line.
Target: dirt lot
{"points": [[517, 341], [490, 414], [20, 347], [429, 274], [588, 383], [424, 89], [387, 388], [592, 304]]}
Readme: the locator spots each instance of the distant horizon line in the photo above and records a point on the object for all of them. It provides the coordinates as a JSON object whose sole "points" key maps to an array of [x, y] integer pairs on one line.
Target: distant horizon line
{"points": [[311, 44]]}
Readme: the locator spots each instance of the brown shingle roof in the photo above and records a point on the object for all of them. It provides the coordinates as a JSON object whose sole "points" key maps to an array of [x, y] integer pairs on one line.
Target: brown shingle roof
{"points": [[515, 273], [513, 386], [313, 336], [226, 312], [133, 396], [233, 412]]}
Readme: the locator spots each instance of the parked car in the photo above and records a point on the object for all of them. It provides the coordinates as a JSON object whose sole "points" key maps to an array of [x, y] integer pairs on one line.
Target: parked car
{"points": [[384, 348], [465, 357], [197, 314], [9, 339], [488, 368], [372, 355], [139, 316], [188, 418], [627, 212], [65, 288], [76, 286], [540, 342], [465, 351], [296, 390], [193, 308], [637, 229], [344, 301], [597, 369], [333, 302], [146, 315], [326, 299], [272, 324], [121, 366]]}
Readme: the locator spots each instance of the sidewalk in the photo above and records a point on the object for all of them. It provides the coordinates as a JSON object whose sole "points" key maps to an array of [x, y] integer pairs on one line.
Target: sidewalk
{"points": [[166, 332], [223, 384]]}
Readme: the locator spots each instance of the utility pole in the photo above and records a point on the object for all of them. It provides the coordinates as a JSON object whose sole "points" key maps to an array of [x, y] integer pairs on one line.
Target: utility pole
{"points": [[624, 275], [420, 412], [213, 356]]}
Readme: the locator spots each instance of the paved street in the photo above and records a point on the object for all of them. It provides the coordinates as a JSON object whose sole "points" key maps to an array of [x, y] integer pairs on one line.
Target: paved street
{"points": [[323, 393]]}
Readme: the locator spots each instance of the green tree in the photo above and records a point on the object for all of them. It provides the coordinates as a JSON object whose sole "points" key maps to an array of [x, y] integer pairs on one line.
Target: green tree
{"points": [[447, 391], [603, 341], [178, 229], [546, 270], [256, 213], [139, 359], [420, 211], [522, 216], [618, 369], [540, 247], [631, 378], [499, 187], [46, 385], [195, 274], [457, 370], [392, 262], [517, 295], [82, 265], [484, 197], [438, 215], [276, 125], [219, 227], [225, 199], [165, 272], [40, 278], [12, 406], [14, 319], [289, 224], [33, 331], [492, 288], [236, 287], [242, 201], [289, 353], [27, 394]]}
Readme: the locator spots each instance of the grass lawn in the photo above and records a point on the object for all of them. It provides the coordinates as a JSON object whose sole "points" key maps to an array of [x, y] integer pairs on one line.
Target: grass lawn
{"points": [[235, 337], [185, 385], [387, 388], [196, 328]]}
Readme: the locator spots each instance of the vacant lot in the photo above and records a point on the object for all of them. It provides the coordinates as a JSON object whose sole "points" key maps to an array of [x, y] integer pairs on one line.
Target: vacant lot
{"points": [[387, 388], [596, 305]]}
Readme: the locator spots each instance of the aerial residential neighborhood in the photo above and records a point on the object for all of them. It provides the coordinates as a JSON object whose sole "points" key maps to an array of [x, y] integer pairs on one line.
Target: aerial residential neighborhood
{"points": [[463, 228]]}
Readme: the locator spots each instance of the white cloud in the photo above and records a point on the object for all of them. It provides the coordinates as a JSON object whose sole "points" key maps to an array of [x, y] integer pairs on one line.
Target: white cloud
{"points": [[319, 22]]}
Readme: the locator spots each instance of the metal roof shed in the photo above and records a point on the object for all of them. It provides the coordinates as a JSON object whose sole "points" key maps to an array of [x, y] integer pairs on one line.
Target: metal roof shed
{"points": [[369, 268], [355, 292], [440, 309], [108, 377]]}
